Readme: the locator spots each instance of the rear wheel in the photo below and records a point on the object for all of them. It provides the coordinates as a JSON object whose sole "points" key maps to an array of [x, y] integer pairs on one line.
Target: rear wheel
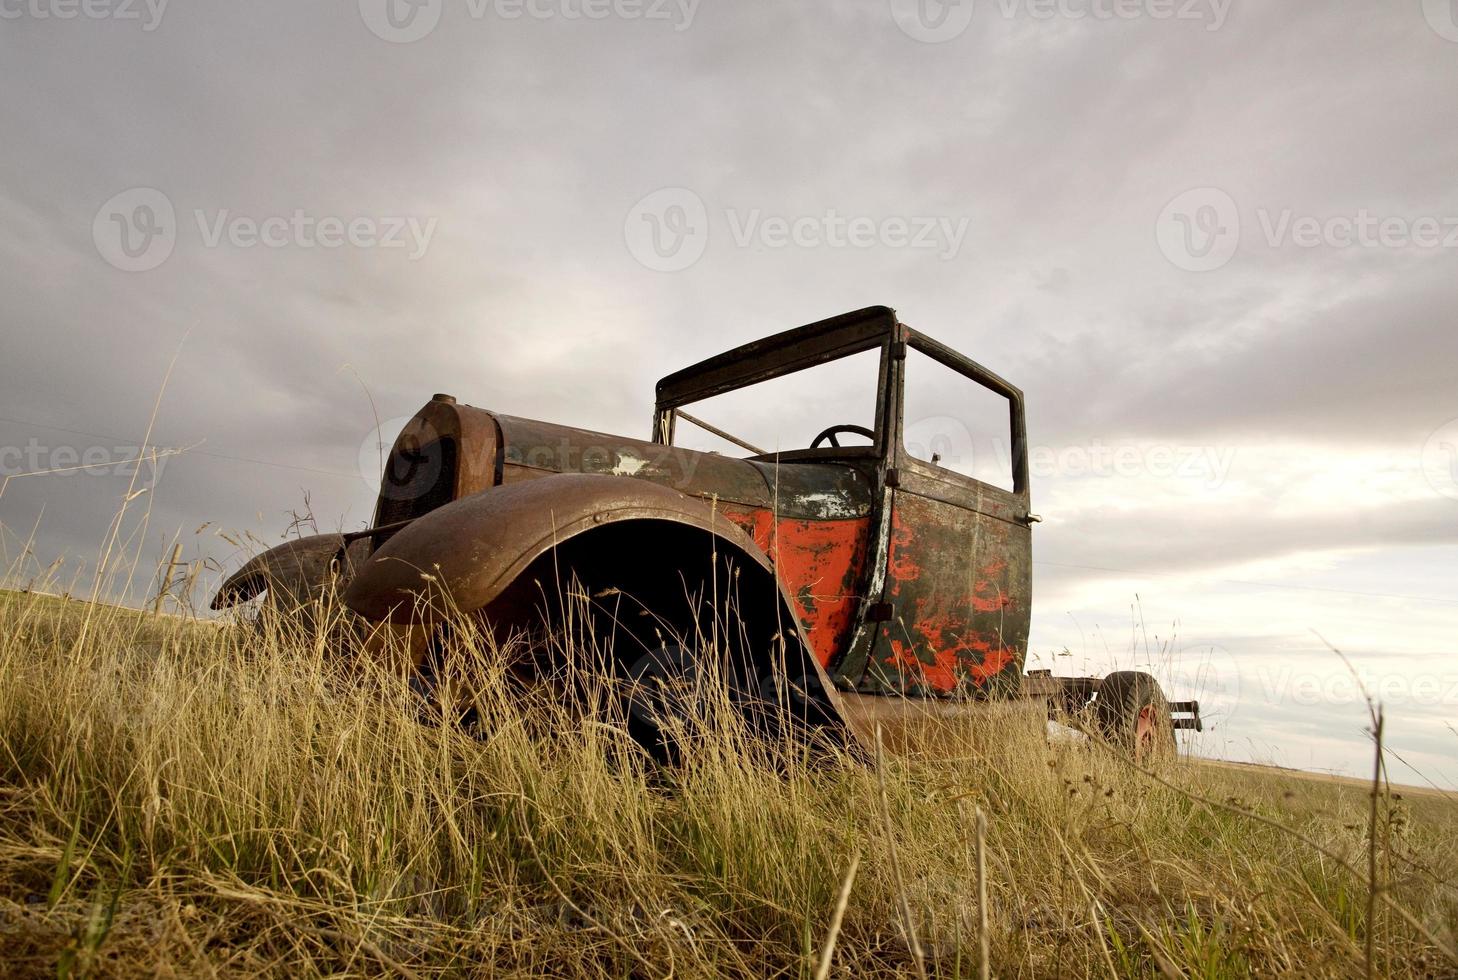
{"points": [[1133, 714]]}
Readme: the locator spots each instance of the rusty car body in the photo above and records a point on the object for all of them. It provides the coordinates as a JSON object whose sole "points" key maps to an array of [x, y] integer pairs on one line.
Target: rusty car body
{"points": [[882, 587]]}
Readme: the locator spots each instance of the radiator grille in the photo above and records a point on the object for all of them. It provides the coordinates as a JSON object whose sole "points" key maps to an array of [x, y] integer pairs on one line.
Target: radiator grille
{"points": [[416, 481]]}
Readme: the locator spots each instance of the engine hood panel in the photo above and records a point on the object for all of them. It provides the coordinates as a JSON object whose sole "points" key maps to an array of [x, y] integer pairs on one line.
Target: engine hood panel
{"points": [[812, 491]]}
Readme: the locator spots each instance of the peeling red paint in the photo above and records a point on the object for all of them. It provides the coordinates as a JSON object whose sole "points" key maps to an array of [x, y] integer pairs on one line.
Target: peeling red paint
{"points": [[820, 563], [953, 593], [901, 562]]}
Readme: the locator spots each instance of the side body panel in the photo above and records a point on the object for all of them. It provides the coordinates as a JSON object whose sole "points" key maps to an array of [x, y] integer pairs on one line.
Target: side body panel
{"points": [[957, 587], [811, 520], [821, 564]]}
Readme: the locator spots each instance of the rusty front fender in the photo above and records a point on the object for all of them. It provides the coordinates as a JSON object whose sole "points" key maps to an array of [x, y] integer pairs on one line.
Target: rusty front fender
{"points": [[296, 571], [463, 555]]}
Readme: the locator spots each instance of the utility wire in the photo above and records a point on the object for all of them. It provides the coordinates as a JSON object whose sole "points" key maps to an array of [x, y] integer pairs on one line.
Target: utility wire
{"points": [[190, 452]]}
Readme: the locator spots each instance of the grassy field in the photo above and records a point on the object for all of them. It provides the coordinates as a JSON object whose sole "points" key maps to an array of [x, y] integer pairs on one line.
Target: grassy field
{"points": [[178, 798]]}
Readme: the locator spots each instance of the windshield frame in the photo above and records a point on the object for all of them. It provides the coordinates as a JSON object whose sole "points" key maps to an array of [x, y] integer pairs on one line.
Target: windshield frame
{"points": [[777, 356]]}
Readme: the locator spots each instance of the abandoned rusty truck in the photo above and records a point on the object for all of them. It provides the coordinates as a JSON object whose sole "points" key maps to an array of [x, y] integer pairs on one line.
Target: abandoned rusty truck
{"points": [[875, 585]]}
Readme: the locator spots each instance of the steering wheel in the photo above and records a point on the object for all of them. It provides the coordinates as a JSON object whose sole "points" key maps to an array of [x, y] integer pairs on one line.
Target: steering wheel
{"points": [[831, 432]]}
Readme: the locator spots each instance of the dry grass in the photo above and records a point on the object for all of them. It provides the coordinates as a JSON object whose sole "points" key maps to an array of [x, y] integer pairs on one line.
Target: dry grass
{"points": [[178, 798]]}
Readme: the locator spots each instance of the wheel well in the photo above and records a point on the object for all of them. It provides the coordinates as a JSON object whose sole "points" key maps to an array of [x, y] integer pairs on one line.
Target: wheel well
{"points": [[618, 593], [663, 577]]}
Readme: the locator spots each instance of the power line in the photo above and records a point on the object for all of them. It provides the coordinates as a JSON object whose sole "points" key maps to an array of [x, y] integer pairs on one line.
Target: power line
{"points": [[190, 452]]}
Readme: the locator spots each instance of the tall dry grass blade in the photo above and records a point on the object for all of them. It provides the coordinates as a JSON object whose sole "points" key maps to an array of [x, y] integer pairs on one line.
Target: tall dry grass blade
{"points": [[906, 920], [827, 953], [164, 585], [1374, 713], [984, 941], [1372, 884]]}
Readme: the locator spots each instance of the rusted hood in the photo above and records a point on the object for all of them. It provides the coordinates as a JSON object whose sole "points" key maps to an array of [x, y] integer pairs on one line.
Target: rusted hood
{"points": [[806, 490]]}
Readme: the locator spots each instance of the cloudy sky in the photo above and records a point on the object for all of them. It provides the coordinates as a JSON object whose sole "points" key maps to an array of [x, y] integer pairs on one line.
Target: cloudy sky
{"points": [[1213, 240]]}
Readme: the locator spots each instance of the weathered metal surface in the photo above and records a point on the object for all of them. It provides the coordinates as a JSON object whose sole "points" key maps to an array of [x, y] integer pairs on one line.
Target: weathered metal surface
{"points": [[777, 355], [810, 519], [463, 555], [958, 586], [532, 448], [447, 451], [945, 567], [821, 564], [295, 573], [466, 554]]}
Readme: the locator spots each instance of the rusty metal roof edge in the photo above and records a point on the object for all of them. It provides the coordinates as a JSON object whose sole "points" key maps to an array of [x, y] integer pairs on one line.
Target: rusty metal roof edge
{"points": [[694, 382], [957, 361]]}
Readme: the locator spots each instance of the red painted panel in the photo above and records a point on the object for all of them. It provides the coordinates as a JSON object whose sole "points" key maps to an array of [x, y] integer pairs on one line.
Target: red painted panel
{"points": [[820, 563], [956, 619]]}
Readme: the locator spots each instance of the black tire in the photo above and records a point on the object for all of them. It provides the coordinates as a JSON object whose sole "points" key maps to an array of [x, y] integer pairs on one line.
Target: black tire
{"points": [[657, 697], [1132, 713]]}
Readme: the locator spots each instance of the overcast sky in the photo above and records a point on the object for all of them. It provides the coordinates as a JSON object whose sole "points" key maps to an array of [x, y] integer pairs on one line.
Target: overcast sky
{"points": [[1213, 240]]}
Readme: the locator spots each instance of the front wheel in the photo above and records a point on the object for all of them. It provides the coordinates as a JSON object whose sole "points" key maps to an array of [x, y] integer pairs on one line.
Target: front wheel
{"points": [[661, 698], [1133, 714]]}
